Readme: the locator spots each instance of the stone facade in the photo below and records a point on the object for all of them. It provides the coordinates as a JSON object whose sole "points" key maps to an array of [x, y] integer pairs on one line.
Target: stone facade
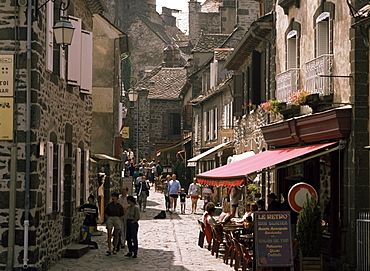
{"points": [[60, 115]]}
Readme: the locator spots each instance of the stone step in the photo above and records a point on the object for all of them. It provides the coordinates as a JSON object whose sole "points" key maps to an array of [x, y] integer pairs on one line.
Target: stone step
{"points": [[76, 251]]}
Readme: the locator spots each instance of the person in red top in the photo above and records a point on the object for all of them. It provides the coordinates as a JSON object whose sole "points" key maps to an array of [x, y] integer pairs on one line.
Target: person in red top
{"points": [[209, 222]]}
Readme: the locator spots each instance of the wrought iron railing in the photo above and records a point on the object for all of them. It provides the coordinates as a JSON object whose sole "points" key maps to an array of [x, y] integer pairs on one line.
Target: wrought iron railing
{"points": [[318, 71], [286, 83]]}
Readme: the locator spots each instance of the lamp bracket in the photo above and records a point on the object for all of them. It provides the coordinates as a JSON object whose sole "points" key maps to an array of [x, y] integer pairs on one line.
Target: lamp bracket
{"points": [[64, 5]]}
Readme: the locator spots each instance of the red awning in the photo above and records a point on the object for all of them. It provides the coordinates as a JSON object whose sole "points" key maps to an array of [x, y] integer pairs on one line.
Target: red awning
{"points": [[236, 173]]}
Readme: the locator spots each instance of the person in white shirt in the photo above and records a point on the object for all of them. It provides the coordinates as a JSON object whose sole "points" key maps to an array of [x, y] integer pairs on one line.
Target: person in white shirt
{"points": [[174, 188], [194, 191]]}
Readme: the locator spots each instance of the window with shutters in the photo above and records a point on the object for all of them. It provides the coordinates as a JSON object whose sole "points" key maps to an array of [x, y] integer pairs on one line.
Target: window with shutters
{"points": [[238, 94], [292, 50], [323, 34], [49, 39], [171, 124]]}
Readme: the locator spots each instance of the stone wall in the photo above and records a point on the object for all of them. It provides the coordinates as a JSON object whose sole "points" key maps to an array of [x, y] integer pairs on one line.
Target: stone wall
{"points": [[54, 108]]}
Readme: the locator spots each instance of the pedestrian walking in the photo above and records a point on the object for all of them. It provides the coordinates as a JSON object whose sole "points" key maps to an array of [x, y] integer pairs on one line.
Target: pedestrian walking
{"points": [[123, 201], [167, 193], [235, 195], [193, 192], [143, 193], [91, 214], [183, 196], [174, 189], [113, 214], [133, 216]]}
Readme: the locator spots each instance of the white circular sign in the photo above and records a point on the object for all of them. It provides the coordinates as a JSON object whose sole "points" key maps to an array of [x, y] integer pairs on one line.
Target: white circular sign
{"points": [[297, 195]]}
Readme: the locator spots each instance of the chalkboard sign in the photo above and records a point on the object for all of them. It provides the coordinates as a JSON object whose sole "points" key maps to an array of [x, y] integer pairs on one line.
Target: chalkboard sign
{"points": [[273, 240]]}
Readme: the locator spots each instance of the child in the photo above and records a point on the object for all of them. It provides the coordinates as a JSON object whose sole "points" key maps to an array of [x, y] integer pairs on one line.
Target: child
{"points": [[182, 200], [91, 214]]}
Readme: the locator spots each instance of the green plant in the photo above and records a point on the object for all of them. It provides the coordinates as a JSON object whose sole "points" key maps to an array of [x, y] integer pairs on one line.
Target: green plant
{"points": [[271, 106], [299, 97], [309, 229], [253, 188]]}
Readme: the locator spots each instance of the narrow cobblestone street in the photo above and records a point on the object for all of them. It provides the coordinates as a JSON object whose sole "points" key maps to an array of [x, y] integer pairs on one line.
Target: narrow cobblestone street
{"points": [[164, 244]]}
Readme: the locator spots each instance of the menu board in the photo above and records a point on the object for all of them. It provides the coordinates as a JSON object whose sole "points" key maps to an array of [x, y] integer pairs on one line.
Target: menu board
{"points": [[273, 240]]}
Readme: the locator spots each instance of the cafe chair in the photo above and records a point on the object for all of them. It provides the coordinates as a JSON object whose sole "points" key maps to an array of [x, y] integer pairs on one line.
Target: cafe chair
{"points": [[201, 234], [237, 254], [246, 257], [228, 247], [217, 240]]}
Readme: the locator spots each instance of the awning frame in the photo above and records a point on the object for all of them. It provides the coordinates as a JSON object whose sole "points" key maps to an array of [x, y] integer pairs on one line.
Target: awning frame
{"points": [[211, 151], [237, 180]]}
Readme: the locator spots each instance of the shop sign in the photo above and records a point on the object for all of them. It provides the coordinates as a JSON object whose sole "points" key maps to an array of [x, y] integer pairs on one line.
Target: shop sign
{"points": [[273, 240], [6, 118], [126, 132], [6, 75]]}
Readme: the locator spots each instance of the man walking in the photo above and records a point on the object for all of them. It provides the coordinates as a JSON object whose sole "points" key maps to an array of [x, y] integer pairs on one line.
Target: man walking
{"points": [[113, 214], [123, 201], [143, 193], [174, 188]]}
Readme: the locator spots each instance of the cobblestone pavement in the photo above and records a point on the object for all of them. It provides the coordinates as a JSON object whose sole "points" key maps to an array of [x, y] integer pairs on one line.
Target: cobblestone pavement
{"points": [[164, 244]]}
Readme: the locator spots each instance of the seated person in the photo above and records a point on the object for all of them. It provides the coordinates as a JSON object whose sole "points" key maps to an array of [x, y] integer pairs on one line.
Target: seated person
{"points": [[248, 211], [209, 222], [224, 217], [248, 225]]}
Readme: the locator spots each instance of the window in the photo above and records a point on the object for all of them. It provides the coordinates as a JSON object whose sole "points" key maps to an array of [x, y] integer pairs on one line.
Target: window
{"points": [[292, 50], [322, 34], [171, 124], [215, 125], [205, 124]]}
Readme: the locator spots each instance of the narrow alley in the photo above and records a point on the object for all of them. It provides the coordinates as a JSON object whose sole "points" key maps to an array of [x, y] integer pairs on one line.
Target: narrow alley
{"points": [[164, 244]]}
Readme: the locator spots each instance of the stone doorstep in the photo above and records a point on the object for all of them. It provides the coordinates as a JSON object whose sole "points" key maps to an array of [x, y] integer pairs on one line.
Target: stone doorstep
{"points": [[76, 251]]}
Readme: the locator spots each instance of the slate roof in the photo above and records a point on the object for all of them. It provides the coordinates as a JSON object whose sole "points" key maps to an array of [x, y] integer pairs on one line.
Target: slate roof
{"points": [[158, 29], [207, 42], [223, 53], [164, 83]]}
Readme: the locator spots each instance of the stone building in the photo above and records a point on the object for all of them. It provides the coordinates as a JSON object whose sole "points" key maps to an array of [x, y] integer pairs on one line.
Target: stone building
{"points": [[149, 33], [158, 119], [44, 156]]}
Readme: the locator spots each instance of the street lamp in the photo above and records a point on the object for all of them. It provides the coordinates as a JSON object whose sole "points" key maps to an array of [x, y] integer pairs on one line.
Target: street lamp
{"points": [[133, 96], [63, 32]]}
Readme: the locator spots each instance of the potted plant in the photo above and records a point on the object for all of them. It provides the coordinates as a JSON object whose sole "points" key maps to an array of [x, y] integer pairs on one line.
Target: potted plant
{"points": [[309, 235], [255, 190], [271, 106], [298, 97]]}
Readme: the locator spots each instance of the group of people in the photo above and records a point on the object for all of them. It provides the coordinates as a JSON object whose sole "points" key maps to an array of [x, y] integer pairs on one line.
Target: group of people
{"points": [[121, 216]]}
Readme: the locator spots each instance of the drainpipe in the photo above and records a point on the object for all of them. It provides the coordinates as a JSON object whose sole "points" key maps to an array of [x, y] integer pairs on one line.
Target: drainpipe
{"points": [[28, 137]]}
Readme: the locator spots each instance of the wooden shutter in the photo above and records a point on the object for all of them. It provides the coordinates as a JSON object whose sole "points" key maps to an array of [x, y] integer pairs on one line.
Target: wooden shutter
{"points": [[238, 94], [205, 130], [256, 78], [60, 199], [86, 62], [78, 177], [62, 66], [211, 123], [322, 34], [196, 127], [74, 53], [86, 175], [49, 176], [216, 123], [292, 50], [49, 40]]}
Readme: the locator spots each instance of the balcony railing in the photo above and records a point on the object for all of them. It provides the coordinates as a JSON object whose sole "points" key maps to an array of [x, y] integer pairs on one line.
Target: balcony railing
{"points": [[286, 83], [316, 70]]}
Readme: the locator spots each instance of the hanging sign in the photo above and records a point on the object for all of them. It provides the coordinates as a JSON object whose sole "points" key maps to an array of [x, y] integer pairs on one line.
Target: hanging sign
{"points": [[273, 239], [6, 75], [297, 195], [6, 118]]}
